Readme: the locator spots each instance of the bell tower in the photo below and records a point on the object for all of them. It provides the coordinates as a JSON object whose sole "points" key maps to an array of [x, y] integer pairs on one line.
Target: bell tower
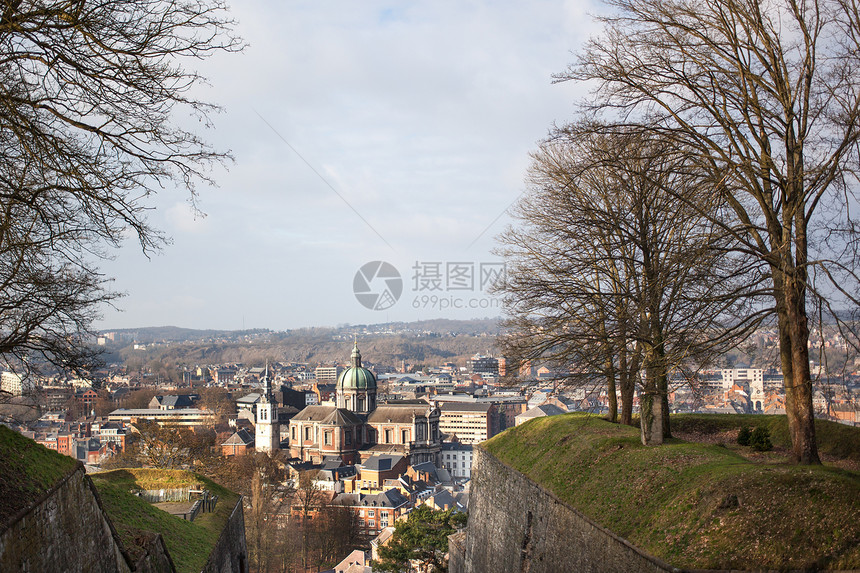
{"points": [[267, 430]]}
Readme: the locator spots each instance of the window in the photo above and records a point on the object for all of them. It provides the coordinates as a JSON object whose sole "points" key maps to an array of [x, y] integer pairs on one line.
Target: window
{"points": [[348, 437], [405, 436], [307, 434], [361, 513], [370, 513], [293, 434], [371, 524], [327, 438], [388, 439]]}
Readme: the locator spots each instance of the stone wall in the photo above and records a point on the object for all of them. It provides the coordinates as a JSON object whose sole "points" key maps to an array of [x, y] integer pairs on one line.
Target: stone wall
{"points": [[65, 530], [516, 526], [230, 554]]}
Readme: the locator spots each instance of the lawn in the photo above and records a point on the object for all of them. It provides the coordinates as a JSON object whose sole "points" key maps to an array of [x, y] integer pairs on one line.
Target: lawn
{"points": [[698, 505]]}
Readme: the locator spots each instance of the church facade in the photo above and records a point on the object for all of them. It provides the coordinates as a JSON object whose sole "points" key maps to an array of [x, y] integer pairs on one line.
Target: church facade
{"points": [[356, 427]]}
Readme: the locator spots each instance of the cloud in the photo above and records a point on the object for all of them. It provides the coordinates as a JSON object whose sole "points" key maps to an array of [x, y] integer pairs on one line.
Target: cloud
{"points": [[420, 114]]}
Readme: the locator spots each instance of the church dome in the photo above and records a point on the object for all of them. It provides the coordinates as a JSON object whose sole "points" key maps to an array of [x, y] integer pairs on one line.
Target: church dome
{"points": [[355, 377]]}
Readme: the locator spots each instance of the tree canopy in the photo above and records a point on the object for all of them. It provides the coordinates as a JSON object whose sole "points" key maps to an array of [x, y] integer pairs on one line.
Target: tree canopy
{"points": [[92, 99], [422, 538]]}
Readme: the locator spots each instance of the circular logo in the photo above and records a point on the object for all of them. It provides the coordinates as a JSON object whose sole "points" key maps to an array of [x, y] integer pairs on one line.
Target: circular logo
{"points": [[377, 285]]}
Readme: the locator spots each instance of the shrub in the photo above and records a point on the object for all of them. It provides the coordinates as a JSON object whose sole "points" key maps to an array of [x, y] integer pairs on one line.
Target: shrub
{"points": [[760, 440], [744, 436]]}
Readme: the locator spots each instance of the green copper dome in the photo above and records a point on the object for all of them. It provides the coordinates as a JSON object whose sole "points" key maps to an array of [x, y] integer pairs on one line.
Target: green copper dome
{"points": [[355, 377]]}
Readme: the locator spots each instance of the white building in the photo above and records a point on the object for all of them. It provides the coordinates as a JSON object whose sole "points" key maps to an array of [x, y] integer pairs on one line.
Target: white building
{"points": [[751, 378], [11, 383], [457, 459]]}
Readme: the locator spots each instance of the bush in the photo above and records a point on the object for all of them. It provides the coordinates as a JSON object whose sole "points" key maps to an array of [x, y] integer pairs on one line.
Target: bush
{"points": [[744, 436], [760, 440]]}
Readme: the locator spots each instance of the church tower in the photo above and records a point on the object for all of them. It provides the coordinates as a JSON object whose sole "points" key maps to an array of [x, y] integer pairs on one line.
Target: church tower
{"points": [[356, 386], [267, 429]]}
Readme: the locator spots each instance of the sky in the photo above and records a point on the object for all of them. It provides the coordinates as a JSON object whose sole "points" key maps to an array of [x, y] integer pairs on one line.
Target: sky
{"points": [[377, 148]]}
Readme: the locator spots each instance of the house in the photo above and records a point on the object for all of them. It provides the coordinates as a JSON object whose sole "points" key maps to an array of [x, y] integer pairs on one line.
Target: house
{"points": [[379, 541], [380, 467], [457, 459], [355, 562], [240, 443], [539, 412], [443, 500], [430, 474], [374, 512], [173, 402]]}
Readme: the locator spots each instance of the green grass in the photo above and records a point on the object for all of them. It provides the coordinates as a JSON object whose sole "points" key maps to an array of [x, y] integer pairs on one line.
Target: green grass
{"points": [[27, 471], [675, 501], [189, 543], [834, 440]]}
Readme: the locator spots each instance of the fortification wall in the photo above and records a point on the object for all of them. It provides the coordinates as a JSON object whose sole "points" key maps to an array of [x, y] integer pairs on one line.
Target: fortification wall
{"points": [[230, 553], [65, 530], [516, 526]]}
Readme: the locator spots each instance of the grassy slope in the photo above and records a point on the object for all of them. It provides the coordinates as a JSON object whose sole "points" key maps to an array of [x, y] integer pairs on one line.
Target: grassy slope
{"points": [[27, 471], [189, 543], [675, 501]]}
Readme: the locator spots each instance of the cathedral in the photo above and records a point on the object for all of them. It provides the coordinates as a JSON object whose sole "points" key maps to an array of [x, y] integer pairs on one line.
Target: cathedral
{"points": [[356, 427]]}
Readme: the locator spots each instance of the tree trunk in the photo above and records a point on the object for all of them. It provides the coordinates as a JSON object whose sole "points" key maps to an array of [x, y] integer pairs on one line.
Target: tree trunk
{"points": [[663, 389], [612, 416], [798, 380], [651, 412], [626, 381], [651, 418]]}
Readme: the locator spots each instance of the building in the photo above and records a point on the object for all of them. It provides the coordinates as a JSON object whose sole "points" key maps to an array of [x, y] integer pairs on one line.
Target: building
{"points": [[183, 417], [173, 402], [469, 421], [374, 512], [457, 459], [11, 383], [326, 374], [356, 427], [267, 429], [238, 444], [380, 467], [539, 412], [484, 365]]}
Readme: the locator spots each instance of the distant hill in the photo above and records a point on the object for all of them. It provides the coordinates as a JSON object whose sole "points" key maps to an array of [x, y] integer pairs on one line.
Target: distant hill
{"points": [[149, 334], [422, 342]]}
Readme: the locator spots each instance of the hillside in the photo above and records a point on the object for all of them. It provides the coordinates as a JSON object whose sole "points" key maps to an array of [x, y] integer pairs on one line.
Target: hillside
{"points": [[697, 505], [28, 470], [37, 536], [189, 542], [415, 343]]}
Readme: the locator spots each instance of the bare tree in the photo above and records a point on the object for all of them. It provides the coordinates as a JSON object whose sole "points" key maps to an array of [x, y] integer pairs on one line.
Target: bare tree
{"points": [[88, 95], [611, 271], [768, 94]]}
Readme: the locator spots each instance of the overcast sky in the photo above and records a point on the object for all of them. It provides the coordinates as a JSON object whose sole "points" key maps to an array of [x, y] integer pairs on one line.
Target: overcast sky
{"points": [[362, 131]]}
